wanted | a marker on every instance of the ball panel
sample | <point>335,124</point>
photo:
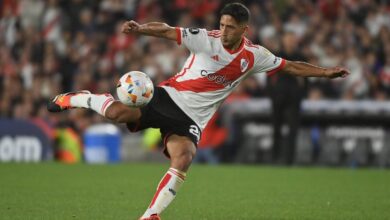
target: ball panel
<point>135,89</point>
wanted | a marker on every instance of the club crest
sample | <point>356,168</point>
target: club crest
<point>244,65</point>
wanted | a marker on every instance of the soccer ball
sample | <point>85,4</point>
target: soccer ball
<point>135,89</point>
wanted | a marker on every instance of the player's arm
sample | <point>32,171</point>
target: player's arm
<point>156,29</point>
<point>298,68</point>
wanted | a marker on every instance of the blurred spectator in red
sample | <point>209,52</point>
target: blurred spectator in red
<point>213,136</point>
<point>330,8</point>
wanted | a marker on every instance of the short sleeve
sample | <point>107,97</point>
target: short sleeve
<point>192,38</point>
<point>268,62</point>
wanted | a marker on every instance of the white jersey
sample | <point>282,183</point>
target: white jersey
<point>212,72</point>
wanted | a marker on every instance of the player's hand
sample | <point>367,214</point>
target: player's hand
<point>130,27</point>
<point>337,72</point>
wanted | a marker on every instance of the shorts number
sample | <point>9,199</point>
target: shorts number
<point>195,131</point>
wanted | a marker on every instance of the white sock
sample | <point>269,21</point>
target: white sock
<point>97,102</point>
<point>166,191</point>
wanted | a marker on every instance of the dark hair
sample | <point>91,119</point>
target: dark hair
<point>238,11</point>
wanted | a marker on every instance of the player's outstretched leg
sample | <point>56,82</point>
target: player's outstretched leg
<point>104,104</point>
<point>181,151</point>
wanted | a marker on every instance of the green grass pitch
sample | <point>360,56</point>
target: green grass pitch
<point>54,191</point>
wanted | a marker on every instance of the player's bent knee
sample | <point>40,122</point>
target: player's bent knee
<point>183,161</point>
<point>184,158</point>
<point>182,151</point>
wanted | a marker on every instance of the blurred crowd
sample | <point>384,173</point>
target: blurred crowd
<point>49,47</point>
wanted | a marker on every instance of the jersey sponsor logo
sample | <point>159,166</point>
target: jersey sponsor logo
<point>217,78</point>
<point>244,64</point>
<point>195,131</point>
<point>194,30</point>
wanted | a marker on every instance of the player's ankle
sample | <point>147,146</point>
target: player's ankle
<point>80,101</point>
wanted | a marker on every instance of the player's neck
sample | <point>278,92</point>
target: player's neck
<point>234,47</point>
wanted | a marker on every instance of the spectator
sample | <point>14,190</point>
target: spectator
<point>286,94</point>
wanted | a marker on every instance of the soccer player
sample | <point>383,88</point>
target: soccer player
<point>182,105</point>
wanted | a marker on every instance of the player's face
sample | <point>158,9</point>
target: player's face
<point>231,31</point>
